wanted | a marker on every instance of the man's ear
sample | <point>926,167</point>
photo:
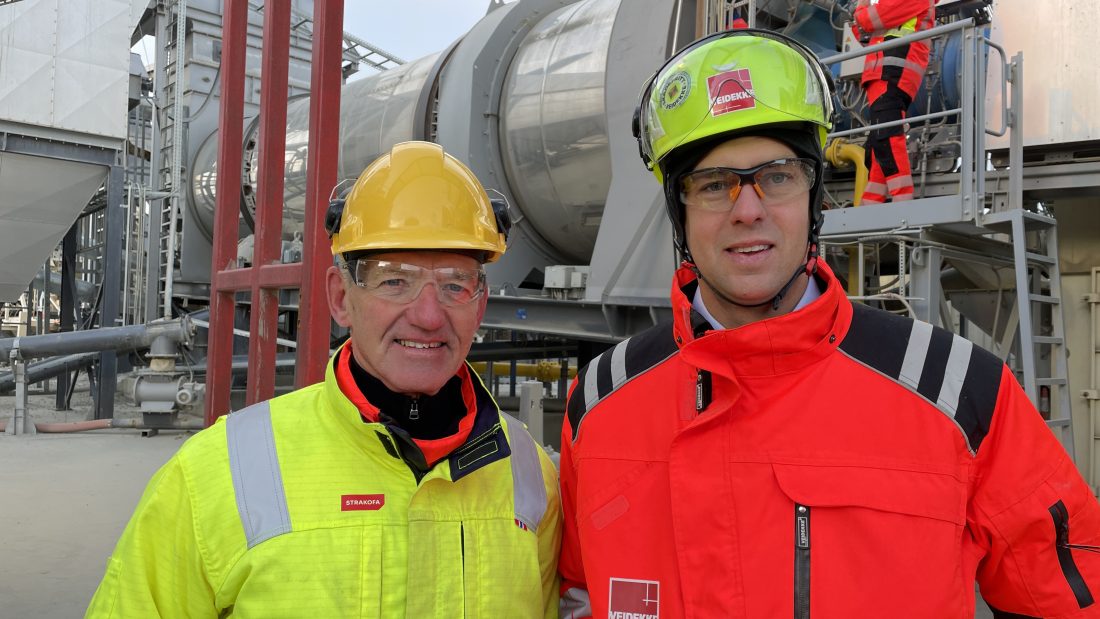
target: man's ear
<point>339,305</point>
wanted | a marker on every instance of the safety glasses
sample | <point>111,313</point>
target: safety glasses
<point>401,283</point>
<point>717,189</point>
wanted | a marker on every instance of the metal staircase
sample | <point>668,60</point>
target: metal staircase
<point>981,231</point>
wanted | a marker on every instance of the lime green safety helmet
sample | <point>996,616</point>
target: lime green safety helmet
<point>727,83</point>
<point>732,83</point>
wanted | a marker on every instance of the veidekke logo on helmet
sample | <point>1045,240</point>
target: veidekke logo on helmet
<point>730,91</point>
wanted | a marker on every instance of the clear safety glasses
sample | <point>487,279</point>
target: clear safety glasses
<point>401,283</point>
<point>717,189</point>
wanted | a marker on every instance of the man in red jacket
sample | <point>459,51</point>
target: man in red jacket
<point>891,80</point>
<point>777,451</point>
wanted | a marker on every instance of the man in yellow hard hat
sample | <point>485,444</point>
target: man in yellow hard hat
<point>395,488</point>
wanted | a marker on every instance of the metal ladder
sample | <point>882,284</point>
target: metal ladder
<point>166,222</point>
<point>719,13</point>
<point>1042,357</point>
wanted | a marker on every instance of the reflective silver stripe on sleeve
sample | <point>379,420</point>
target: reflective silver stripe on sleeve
<point>618,364</point>
<point>591,391</point>
<point>876,21</point>
<point>257,480</point>
<point>574,603</point>
<point>915,354</point>
<point>528,486</point>
<point>958,360</point>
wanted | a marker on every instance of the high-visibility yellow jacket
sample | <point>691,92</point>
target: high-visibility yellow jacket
<point>297,507</point>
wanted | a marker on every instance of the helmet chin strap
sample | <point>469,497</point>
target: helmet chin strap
<point>808,268</point>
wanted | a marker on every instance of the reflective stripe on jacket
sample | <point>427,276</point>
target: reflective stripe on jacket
<point>836,461</point>
<point>298,508</point>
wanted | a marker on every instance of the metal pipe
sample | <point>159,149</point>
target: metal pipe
<point>48,369</point>
<point>543,370</point>
<point>107,338</point>
<point>240,364</point>
<point>85,290</point>
<point>126,275</point>
<point>104,424</point>
<point>840,151</point>
<point>241,332</point>
<point>549,405</point>
<point>900,41</point>
<point>896,123</point>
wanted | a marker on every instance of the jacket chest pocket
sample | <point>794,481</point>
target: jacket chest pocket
<point>868,539</point>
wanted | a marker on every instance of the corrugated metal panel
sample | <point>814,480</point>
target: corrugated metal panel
<point>66,64</point>
<point>1061,83</point>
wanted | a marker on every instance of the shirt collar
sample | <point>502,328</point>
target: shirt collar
<point>813,291</point>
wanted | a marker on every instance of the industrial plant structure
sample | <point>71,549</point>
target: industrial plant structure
<point>109,188</point>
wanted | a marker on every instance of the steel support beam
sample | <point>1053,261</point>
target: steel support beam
<point>274,275</point>
<point>228,191</point>
<point>21,417</point>
<point>109,310</point>
<point>68,307</point>
<point>27,145</point>
<point>911,214</point>
<point>264,313</point>
<point>580,320</point>
<point>926,269</point>
<point>322,160</point>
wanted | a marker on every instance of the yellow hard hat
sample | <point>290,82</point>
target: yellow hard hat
<point>417,197</point>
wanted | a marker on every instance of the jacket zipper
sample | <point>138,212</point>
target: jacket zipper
<point>1060,515</point>
<point>702,390</point>
<point>462,551</point>
<point>801,562</point>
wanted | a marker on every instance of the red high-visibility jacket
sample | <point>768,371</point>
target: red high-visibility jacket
<point>846,462</point>
<point>896,18</point>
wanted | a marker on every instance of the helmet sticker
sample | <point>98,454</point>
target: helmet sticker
<point>731,91</point>
<point>675,90</point>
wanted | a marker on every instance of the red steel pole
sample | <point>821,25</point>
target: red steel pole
<point>228,192</point>
<point>322,163</point>
<point>269,201</point>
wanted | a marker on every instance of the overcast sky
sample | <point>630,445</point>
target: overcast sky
<point>411,29</point>
<point>408,29</point>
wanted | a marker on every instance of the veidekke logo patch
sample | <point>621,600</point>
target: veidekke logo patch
<point>634,599</point>
<point>730,91</point>
<point>361,502</point>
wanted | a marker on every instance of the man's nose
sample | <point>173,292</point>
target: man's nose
<point>426,311</point>
<point>748,203</point>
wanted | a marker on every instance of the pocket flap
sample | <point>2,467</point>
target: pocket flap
<point>931,495</point>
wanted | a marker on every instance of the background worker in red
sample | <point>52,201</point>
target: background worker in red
<point>778,451</point>
<point>395,488</point>
<point>891,79</point>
